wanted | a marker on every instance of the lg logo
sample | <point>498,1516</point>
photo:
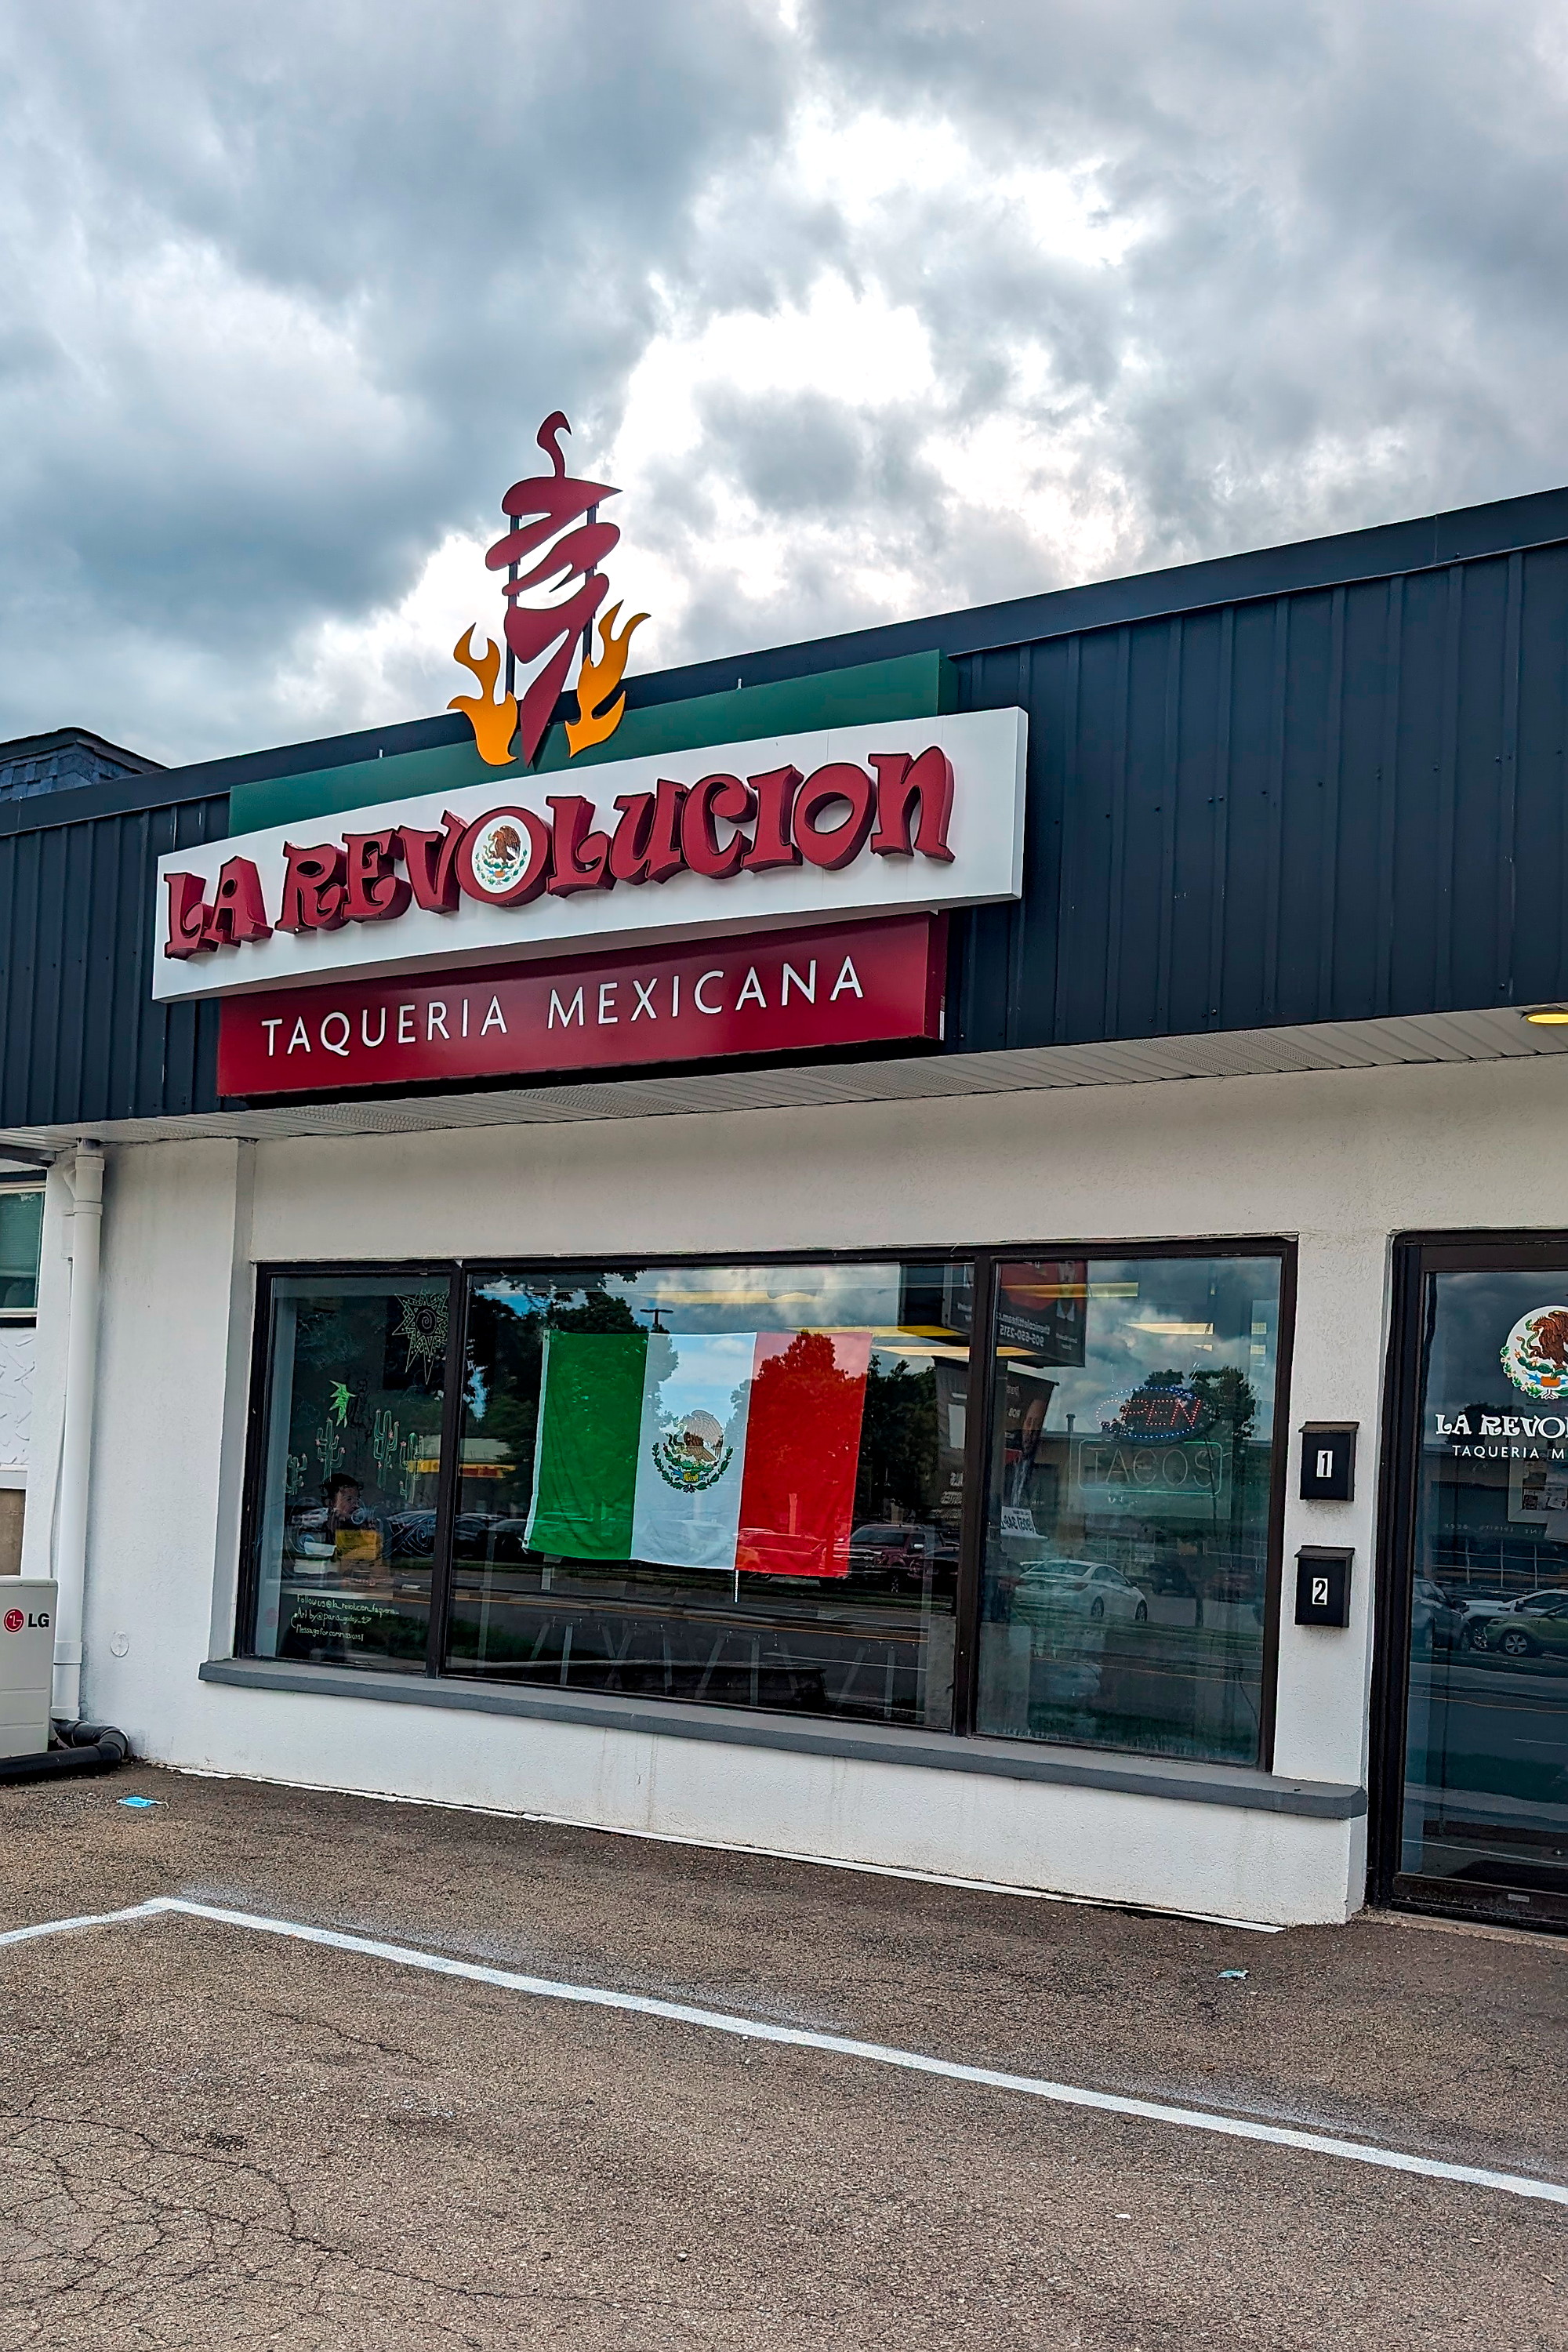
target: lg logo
<point>14,1619</point>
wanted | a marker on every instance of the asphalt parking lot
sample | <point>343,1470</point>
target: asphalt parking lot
<point>212,2137</point>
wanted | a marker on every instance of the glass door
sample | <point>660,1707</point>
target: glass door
<point>1481,1624</point>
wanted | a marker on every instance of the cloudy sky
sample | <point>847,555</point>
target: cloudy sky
<point>872,309</point>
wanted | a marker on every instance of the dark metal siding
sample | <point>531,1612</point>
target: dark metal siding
<point>1304,800</point>
<point>1331,805</point>
<point>82,1038</point>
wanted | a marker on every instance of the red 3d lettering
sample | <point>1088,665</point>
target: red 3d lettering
<point>187,917</point>
<point>375,892</point>
<point>581,860</point>
<point>832,846</point>
<point>770,844</point>
<point>237,912</point>
<point>717,800</point>
<point>902,781</point>
<point>431,859</point>
<point>315,888</point>
<point>717,828</point>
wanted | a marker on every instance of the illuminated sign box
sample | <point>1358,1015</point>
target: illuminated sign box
<point>800,991</point>
<point>903,817</point>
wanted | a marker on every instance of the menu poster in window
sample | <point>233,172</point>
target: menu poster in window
<point>951,1381</point>
<point>1042,1311</point>
<point>1030,1473</point>
<point>937,1301</point>
<point>1537,1491</point>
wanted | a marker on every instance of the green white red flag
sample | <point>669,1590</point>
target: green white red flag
<point>727,1450</point>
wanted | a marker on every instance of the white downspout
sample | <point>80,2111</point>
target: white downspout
<point>75,1443</point>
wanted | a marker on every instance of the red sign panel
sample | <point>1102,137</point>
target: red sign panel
<point>786,992</point>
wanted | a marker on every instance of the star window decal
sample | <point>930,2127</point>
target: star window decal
<point>423,1330</point>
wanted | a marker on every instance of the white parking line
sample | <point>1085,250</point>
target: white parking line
<point>751,2028</point>
<point>87,1919</point>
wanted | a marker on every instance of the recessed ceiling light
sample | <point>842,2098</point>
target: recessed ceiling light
<point>1548,1016</point>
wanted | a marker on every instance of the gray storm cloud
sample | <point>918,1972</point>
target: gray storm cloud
<point>287,291</point>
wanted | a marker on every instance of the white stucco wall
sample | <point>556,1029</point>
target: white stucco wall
<point>17,1349</point>
<point>1340,1160</point>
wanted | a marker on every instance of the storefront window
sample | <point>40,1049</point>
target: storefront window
<point>1126,1561</point>
<point>21,1228</point>
<point>346,1528</point>
<point>1486,1765</point>
<point>744,1485</point>
<point>731,1485</point>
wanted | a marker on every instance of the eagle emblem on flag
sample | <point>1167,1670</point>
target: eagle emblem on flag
<point>693,1455</point>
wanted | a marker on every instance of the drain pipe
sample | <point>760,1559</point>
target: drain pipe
<point>84,1748</point>
<point>76,1445</point>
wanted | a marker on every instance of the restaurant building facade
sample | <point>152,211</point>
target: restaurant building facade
<point>939,1254</point>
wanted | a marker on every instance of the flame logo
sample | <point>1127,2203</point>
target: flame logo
<point>553,550</point>
<point>493,719</point>
<point>597,681</point>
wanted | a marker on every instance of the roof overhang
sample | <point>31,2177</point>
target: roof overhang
<point>1412,1040</point>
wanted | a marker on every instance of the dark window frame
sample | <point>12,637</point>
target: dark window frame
<point>985,1258</point>
<point>1414,1256</point>
<point>258,1405</point>
<point>24,1319</point>
<point>978,1463</point>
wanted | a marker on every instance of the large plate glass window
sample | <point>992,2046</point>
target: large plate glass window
<point>345,1532</point>
<point>742,1486</point>
<point>1132,1472</point>
<point>1486,1750</point>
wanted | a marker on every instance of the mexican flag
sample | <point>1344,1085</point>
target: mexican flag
<point>727,1449</point>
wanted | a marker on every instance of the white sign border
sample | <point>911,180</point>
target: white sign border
<point>987,749</point>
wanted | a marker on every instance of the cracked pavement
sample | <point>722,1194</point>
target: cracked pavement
<point>214,2138</point>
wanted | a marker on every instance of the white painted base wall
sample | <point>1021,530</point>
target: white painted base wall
<point>1144,1850</point>
<point>1339,1161</point>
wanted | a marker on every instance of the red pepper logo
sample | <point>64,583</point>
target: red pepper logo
<point>553,552</point>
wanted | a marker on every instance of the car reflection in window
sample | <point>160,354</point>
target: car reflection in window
<point>1435,1622</point>
<point>1480,1614</point>
<point>898,1559</point>
<point>1048,1588</point>
<point>1536,1632</point>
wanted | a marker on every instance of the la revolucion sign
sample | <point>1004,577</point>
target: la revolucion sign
<point>904,816</point>
<point>847,984</point>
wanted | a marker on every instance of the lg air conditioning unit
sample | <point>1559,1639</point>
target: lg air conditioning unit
<point>27,1663</point>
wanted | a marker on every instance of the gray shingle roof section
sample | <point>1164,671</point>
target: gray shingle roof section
<point>65,761</point>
